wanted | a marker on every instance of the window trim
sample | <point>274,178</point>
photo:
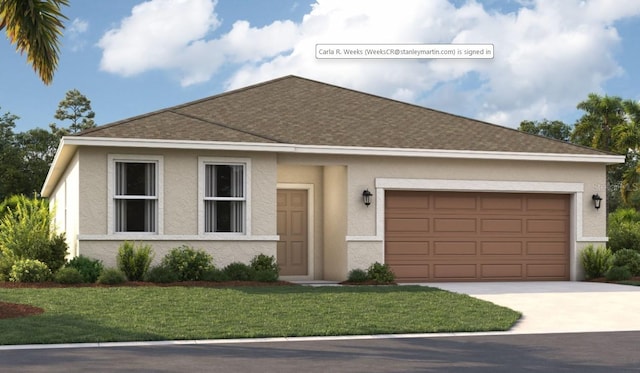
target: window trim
<point>202,163</point>
<point>111,183</point>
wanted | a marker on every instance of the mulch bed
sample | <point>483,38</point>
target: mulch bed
<point>13,310</point>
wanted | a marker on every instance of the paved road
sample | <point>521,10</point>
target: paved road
<point>585,352</point>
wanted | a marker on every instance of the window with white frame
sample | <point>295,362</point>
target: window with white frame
<point>224,197</point>
<point>135,196</point>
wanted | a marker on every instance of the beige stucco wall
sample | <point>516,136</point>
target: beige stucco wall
<point>335,222</point>
<point>364,233</point>
<point>222,252</point>
<point>180,199</point>
<point>66,205</point>
<point>180,206</point>
<point>347,235</point>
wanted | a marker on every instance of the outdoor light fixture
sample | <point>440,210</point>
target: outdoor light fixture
<point>366,197</point>
<point>596,200</point>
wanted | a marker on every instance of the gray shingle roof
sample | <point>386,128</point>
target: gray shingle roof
<point>294,110</point>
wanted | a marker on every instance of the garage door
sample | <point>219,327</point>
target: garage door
<point>451,236</point>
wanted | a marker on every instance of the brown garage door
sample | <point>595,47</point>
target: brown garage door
<point>451,236</point>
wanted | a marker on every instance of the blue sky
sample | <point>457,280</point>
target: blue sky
<point>130,57</point>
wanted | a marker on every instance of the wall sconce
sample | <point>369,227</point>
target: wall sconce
<point>366,197</point>
<point>596,200</point>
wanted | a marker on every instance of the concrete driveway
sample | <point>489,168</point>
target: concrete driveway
<point>560,307</point>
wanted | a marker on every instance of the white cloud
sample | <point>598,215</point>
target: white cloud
<point>548,53</point>
<point>78,26</point>
<point>155,35</point>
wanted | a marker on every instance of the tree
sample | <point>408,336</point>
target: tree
<point>37,147</point>
<point>553,129</point>
<point>35,26</point>
<point>75,107</point>
<point>595,128</point>
<point>13,180</point>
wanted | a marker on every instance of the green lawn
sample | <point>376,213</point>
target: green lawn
<point>172,313</point>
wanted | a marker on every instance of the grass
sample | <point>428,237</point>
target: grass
<point>174,313</point>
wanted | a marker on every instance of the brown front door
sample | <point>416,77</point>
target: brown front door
<point>293,232</point>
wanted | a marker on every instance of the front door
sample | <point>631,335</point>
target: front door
<point>293,231</point>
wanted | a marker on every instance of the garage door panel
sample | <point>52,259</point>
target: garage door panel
<point>454,202</point>
<point>407,225</point>
<point>502,271</point>
<point>547,248</point>
<point>549,271</point>
<point>477,236</point>
<point>559,204</point>
<point>489,204</point>
<point>501,225</point>
<point>546,226</point>
<point>412,272</point>
<point>402,200</point>
<point>454,271</point>
<point>408,248</point>
<point>455,225</point>
<point>454,248</point>
<point>501,248</point>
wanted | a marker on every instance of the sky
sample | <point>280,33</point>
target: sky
<point>131,57</point>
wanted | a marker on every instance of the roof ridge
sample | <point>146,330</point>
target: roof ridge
<point>225,126</point>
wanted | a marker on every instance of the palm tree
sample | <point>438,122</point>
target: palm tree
<point>34,27</point>
<point>594,128</point>
<point>627,137</point>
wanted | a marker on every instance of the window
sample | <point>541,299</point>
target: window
<point>136,196</point>
<point>224,198</point>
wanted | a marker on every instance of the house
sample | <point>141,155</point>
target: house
<point>284,168</point>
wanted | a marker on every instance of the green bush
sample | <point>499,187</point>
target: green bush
<point>618,274</point>
<point>29,270</point>
<point>381,273</point>
<point>6,262</point>
<point>25,230</point>
<point>624,230</point>
<point>90,269</point>
<point>596,261</point>
<point>237,271</point>
<point>265,268</point>
<point>112,276</point>
<point>357,275</point>
<point>68,275</point>
<point>188,263</point>
<point>134,261</point>
<point>627,258</point>
<point>215,275</point>
<point>161,274</point>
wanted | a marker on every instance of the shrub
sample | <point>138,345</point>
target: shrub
<point>6,262</point>
<point>112,276</point>
<point>68,275</point>
<point>161,274</point>
<point>627,258</point>
<point>237,271</point>
<point>357,275</point>
<point>215,275</point>
<point>381,273</point>
<point>265,268</point>
<point>624,230</point>
<point>29,270</point>
<point>25,230</point>
<point>596,262</point>
<point>188,263</point>
<point>618,274</point>
<point>90,269</point>
<point>134,261</point>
